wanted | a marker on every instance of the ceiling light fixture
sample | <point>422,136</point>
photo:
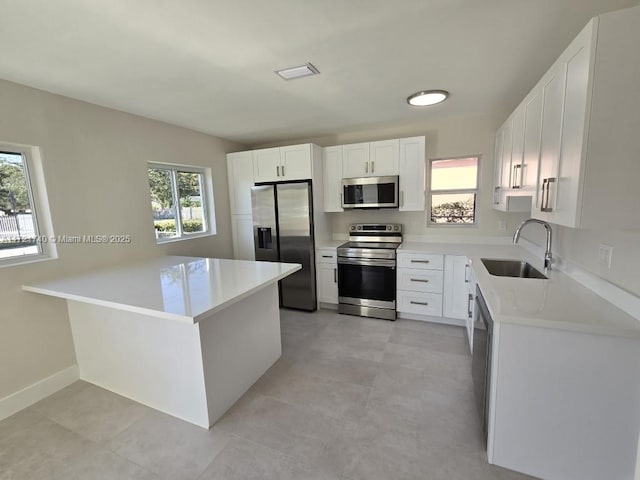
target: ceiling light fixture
<point>297,72</point>
<point>428,97</point>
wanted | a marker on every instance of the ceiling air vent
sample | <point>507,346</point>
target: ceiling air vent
<point>297,72</point>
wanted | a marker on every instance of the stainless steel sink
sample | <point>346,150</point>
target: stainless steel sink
<point>511,268</point>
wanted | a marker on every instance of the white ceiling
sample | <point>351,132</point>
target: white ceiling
<point>208,64</point>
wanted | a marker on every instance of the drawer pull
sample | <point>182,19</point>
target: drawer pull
<point>327,256</point>
<point>419,261</point>
<point>419,303</point>
<point>419,280</point>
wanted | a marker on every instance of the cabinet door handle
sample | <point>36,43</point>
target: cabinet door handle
<point>419,303</point>
<point>421,280</point>
<point>549,181</point>
<point>373,167</point>
<point>366,167</point>
<point>277,171</point>
<point>419,261</point>
<point>544,186</point>
<point>470,299</point>
<point>283,170</point>
<point>466,268</point>
<point>327,256</point>
<point>496,198</point>
<point>335,275</point>
<point>517,182</point>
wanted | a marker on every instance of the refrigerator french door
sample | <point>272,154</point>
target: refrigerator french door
<point>283,232</point>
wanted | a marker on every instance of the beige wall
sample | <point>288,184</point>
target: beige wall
<point>452,137</point>
<point>94,161</point>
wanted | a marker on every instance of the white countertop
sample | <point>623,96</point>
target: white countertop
<point>330,244</point>
<point>186,289</point>
<point>559,302</point>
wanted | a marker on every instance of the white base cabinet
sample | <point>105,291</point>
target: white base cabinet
<point>419,283</point>
<point>456,277</point>
<point>435,288</point>
<point>564,404</point>
<point>327,272</point>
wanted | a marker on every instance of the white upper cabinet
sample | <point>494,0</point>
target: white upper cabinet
<point>553,85</point>
<point>412,174</point>
<point>498,199</point>
<point>531,141</point>
<point>295,162</point>
<point>384,158</point>
<point>579,129</point>
<point>355,160</point>
<point>506,198</point>
<point>517,148</point>
<point>240,176</point>
<point>332,175</point>
<point>266,164</point>
<point>281,164</point>
<point>374,159</point>
<point>507,150</point>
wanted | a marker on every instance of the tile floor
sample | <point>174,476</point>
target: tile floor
<point>351,398</point>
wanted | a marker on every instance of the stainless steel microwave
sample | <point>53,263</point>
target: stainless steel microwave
<point>370,192</point>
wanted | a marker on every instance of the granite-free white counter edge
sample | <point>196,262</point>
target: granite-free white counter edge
<point>559,302</point>
<point>186,289</point>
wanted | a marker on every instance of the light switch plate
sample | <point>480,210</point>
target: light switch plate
<point>605,252</point>
<point>502,225</point>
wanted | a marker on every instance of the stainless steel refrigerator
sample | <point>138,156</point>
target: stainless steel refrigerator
<point>283,232</point>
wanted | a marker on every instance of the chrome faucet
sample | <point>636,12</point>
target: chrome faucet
<point>548,260</point>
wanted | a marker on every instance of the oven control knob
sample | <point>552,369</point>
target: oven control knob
<point>395,228</point>
<point>359,227</point>
<point>388,227</point>
<point>353,227</point>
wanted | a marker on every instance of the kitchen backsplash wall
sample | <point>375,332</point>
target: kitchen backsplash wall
<point>580,247</point>
<point>453,137</point>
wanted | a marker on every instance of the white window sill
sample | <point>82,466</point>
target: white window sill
<point>161,241</point>
<point>25,259</point>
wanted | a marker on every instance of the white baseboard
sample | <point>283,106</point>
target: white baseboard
<point>34,393</point>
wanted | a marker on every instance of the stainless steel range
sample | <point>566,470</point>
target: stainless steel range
<point>367,270</point>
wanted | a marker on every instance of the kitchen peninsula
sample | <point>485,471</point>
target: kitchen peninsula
<point>184,335</point>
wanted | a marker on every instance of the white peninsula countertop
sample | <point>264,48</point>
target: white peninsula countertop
<point>187,289</point>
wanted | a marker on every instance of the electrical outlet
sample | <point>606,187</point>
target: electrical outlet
<point>605,252</point>
<point>502,225</point>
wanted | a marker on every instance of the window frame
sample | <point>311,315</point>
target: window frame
<point>38,201</point>
<point>475,191</point>
<point>206,193</point>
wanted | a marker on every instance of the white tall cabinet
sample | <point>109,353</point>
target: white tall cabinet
<point>240,176</point>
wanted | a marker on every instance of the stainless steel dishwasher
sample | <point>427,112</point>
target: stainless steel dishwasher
<point>481,364</point>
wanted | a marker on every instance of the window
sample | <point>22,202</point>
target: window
<point>453,191</point>
<point>25,227</point>
<point>180,200</point>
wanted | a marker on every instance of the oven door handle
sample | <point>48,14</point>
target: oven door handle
<point>367,262</point>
